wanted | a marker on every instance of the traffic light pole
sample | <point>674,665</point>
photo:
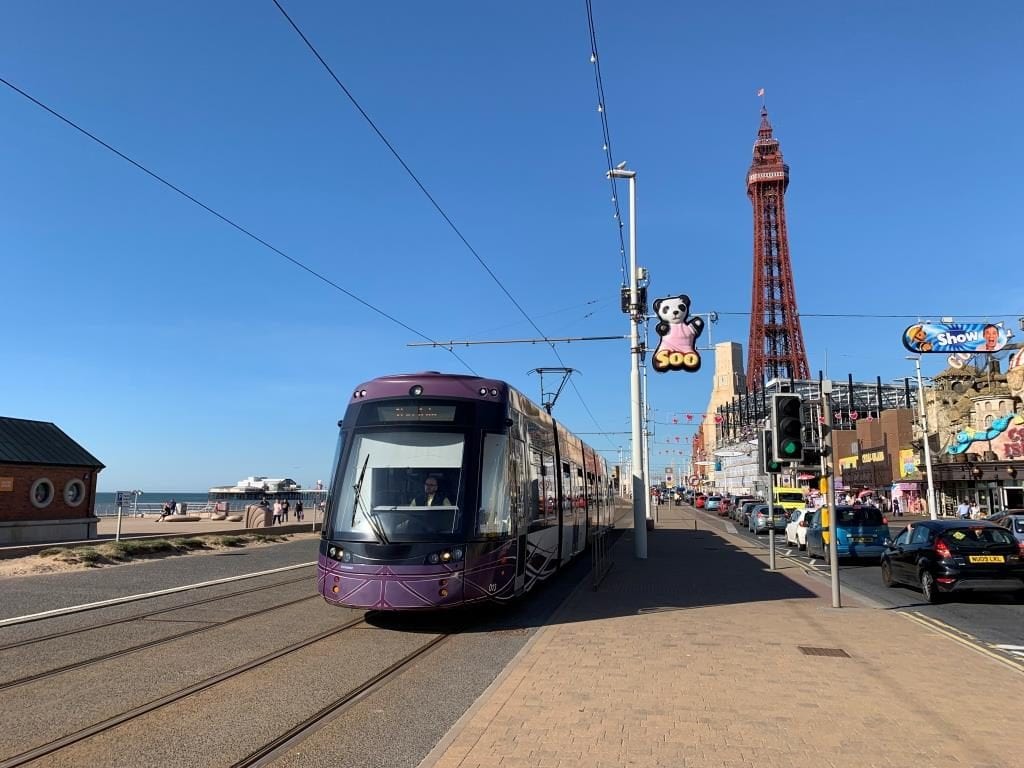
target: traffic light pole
<point>771,521</point>
<point>833,546</point>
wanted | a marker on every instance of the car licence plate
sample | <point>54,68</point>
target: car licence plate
<point>986,559</point>
<point>863,539</point>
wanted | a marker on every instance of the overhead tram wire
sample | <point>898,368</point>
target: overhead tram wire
<point>433,202</point>
<point>602,110</point>
<point>872,316</point>
<point>228,221</point>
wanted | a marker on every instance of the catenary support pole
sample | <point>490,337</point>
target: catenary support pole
<point>639,483</point>
<point>933,511</point>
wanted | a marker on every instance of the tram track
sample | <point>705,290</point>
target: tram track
<point>138,617</point>
<point>274,747</point>
<point>150,644</point>
<point>301,731</point>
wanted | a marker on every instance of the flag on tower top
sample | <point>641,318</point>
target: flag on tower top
<point>760,91</point>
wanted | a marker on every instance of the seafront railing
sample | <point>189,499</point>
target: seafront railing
<point>157,507</point>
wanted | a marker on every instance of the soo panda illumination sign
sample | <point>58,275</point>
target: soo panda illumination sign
<point>678,332</point>
<point>946,338</point>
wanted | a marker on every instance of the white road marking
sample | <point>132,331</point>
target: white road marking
<point>1017,648</point>
<point>132,598</point>
<point>731,528</point>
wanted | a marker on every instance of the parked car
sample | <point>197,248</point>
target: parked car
<point>950,556</point>
<point>1015,525</point>
<point>997,517</point>
<point>759,523</point>
<point>861,531</point>
<point>746,509</point>
<point>736,511</point>
<point>796,528</point>
<point>712,503</point>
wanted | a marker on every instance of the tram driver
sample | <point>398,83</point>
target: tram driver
<point>431,496</point>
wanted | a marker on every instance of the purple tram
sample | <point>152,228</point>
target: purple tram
<point>449,490</point>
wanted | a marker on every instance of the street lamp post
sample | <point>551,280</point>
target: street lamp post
<point>923,412</point>
<point>636,312</point>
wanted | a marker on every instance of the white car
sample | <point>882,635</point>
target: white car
<point>796,528</point>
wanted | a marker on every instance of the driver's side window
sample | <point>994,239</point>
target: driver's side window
<point>902,538</point>
<point>920,536</point>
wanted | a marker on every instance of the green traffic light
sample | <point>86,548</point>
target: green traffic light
<point>789,447</point>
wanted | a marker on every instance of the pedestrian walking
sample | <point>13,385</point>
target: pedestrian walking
<point>166,512</point>
<point>277,513</point>
<point>298,510</point>
<point>284,510</point>
<point>964,510</point>
<point>896,512</point>
<point>975,511</point>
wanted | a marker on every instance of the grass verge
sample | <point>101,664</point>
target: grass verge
<point>129,550</point>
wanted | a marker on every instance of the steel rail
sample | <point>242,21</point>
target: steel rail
<point>112,722</point>
<point>300,732</point>
<point>193,604</point>
<point>142,646</point>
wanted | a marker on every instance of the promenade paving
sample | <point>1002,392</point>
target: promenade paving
<point>692,658</point>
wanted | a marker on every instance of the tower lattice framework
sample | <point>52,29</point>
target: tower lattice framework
<point>776,345</point>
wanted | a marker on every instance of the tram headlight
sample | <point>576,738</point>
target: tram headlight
<point>416,390</point>
<point>483,391</point>
<point>494,393</point>
<point>457,553</point>
<point>446,556</point>
<point>333,551</point>
<point>346,557</point>
<point>434,558</point>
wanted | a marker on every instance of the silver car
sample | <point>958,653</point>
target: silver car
<point>759,519</point>
<point>1015,525</point>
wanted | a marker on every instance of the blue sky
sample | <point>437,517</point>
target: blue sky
<point>184,355</point>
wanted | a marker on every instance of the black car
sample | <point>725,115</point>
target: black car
<point>944,556</point>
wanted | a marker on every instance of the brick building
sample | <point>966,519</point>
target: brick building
<point>47,484</point>
<point>876,459</point>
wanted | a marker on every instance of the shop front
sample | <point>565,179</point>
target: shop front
<point>993,485</point>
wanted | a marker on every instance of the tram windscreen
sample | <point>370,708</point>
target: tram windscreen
<point>400,486</point>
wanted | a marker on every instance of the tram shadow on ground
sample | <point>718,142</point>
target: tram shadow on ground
<point>684,570</point>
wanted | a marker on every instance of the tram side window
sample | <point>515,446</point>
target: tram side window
<point>537,498</point>
<point>566,485</point>
<point>550,489</point>
<point>517,483</point>
<point>495,517</point>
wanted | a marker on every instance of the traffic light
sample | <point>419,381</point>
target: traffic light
<point>768,465</point>
<point>787,428</point>
<point>812,457</point>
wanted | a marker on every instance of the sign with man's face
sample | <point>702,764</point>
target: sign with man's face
<point>948,338</point>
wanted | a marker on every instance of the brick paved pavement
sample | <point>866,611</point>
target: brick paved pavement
<point>691,658</point>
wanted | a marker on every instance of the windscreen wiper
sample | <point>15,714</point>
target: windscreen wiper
<point>371,518</point>
<point>358,488</point>
<point>377,525</point>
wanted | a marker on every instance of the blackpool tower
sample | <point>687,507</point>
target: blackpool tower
<point>776,346</point>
